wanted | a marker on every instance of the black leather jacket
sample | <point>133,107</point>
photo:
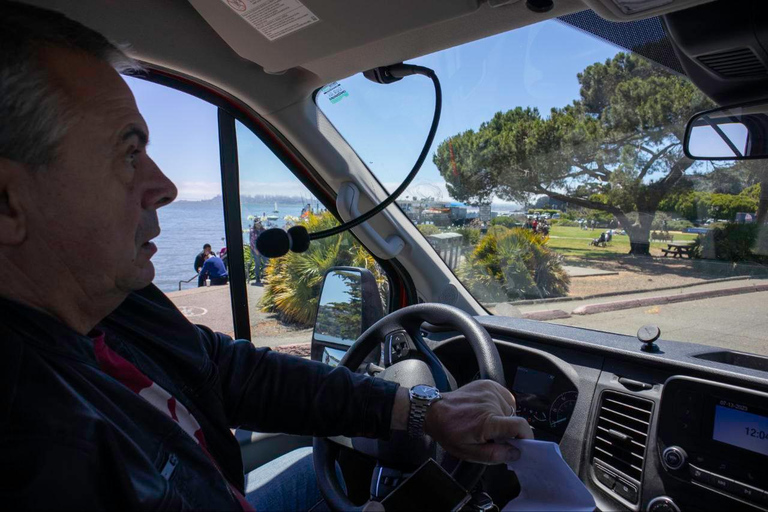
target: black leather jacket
<point>71,437</point>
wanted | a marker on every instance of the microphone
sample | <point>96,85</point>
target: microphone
<point>275,242</point>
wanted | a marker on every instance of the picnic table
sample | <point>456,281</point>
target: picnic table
<point>678,249</point>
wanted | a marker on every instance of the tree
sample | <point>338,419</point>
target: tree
<point>616,149</point>
<point>757,176</point>
<point>294,280</point>
<point>703,205</point>
<point>343,319</point>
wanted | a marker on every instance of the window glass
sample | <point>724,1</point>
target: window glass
<point>283,292</point>
<point>185,145</point>
<point>557,187</point>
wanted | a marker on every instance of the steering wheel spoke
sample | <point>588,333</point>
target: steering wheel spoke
<point>398,346</point>
<point>385,480</point>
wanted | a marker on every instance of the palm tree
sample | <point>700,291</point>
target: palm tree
<point>293,281</point>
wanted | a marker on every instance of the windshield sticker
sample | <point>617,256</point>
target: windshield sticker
<point>274,18</point>
<point>334,92</point>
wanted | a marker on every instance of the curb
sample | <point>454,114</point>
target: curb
<point>530,302</point>
<point>195,291</point>
<point>591,309</point>
<point>549,314</point>
<point>295,349</point>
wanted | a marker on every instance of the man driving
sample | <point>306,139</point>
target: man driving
<point>110,397</point>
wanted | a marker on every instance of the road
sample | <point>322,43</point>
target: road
<point>738,322</point>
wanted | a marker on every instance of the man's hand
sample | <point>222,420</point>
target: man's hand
<point>473,422</point>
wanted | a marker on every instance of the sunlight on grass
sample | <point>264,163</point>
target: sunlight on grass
<point>573,242</point>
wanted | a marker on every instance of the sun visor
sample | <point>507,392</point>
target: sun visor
<point>282,34</point>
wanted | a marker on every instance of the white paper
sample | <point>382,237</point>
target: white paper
<point>274,18</point>
<point>547,482</point>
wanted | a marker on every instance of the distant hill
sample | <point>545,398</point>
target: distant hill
<point>259,199</point>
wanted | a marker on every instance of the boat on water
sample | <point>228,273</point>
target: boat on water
<point>274,215</point>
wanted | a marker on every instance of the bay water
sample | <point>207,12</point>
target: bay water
<point>188,225</point>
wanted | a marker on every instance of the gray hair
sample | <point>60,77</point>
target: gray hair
<point>33,114</point>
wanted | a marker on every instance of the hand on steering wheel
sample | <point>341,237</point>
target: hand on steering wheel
<point>473,422</point>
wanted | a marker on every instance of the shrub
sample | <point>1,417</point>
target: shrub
<point>428,229</point>
<point>471,236</point>
<point>567,223</point>
<point>249,270</point>
<point>672,224</point>
<point>731,242</point>
<point>293,281</point>
<point>511,264</point>
<point>679,225</point>
<point>507,222</point>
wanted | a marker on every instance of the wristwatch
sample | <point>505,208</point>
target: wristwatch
<point>422,396</point>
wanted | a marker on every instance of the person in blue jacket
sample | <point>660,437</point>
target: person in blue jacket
<point>215,270</point>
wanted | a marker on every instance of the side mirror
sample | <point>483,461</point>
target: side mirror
<point>739,132</point>
<point>349,304</point>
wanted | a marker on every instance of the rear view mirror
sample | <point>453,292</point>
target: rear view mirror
<point>738,132</point>
<point>349,304</point>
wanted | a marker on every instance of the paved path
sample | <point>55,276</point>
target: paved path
<point>738,322</point>
<point>587,271</point>
<point>212,307</point>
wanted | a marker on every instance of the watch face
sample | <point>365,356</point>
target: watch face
<point>424,392</point>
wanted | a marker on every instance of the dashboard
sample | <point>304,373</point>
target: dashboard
<point>543,399</point>
<point>715,437</point>
<point>685,428</point>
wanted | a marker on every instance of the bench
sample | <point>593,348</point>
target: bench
<point>662,237</point>
<point>678,250</point>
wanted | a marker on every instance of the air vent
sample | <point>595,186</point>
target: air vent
<point>622,434</point>
<point>741,63</point>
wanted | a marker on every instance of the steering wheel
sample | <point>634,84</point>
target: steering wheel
<point>409,362</point>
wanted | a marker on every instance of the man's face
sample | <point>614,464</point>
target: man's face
<point>96,206</point>
<point>207,251</point>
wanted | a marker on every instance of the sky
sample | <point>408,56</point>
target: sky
<point>534,66</point>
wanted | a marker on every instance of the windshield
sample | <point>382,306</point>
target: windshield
<point>557,188</point>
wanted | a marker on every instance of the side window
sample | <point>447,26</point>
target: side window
<point>185,145</point>
<point>283,293</point>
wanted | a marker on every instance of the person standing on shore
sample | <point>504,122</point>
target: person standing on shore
<point>199,261</point>
<point>259,261</point>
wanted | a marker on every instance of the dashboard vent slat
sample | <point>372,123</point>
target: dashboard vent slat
<point>741,63</point>
<point>627,415</point>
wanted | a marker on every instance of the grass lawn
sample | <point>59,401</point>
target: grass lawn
<point>573,243</point>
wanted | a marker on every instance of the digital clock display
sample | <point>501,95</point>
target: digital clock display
<point>735,425</point>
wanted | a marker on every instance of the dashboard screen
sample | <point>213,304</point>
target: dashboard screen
<point>532,382</point>
<point>736,426</point>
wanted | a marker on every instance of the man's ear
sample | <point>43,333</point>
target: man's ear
<point>13,219</point>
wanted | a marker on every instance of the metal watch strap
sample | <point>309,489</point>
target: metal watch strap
<point>416,417</point>
<point>421,397</point>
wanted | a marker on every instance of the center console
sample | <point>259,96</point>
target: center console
<point>713,444</point>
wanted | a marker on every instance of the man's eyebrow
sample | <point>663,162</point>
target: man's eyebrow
<point>135,131</point>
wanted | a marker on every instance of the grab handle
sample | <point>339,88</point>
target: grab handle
<point>347,202</point>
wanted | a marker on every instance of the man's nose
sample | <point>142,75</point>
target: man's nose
<point>159,191</point>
